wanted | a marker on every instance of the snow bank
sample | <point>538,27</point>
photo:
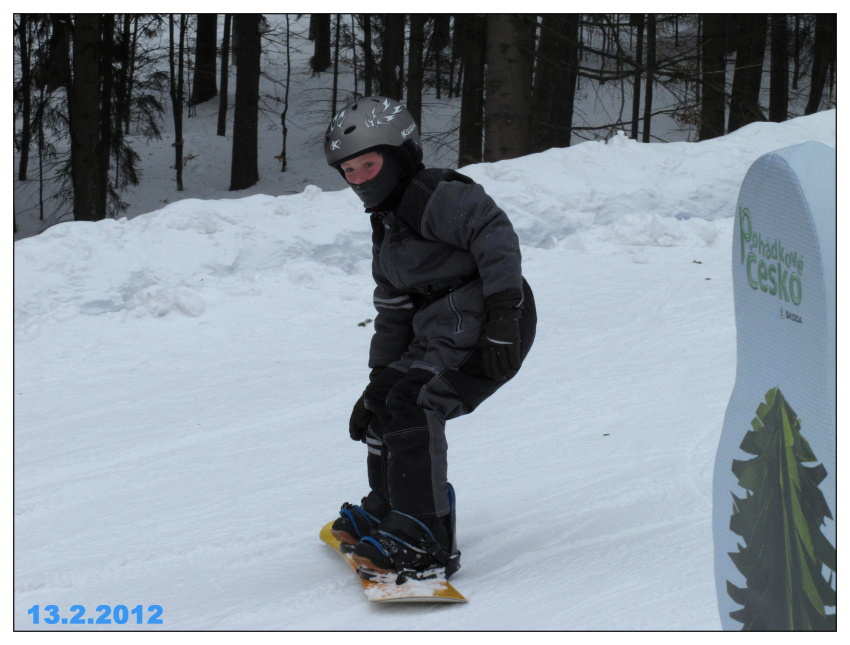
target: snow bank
<point>646,194</point>
<point>164,262</point>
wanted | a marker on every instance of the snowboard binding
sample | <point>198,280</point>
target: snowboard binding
<point>403,575</point>
<point>405,547</point>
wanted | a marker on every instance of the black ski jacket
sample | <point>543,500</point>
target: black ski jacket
<point>435,257</point>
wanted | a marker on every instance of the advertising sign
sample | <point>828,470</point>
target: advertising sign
<point>774,478</point>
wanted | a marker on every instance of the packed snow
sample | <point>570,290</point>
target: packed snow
<point>184,378</point>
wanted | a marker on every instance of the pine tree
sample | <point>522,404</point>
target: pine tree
<point>780,520</point>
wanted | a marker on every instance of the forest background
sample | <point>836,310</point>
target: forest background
<point>108,107</point>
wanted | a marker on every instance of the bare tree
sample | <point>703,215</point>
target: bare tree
<point>87,170</point>
<point>368,55</point>
<point>824,58</point>
<point>650,75</point>
<point>285,99</point>
<point>353,52</point>
<point>176,87</point>
<point>131,75</point>
<point>438,42</point>
<point>555,81</point>
<point>713,84</point>
<point>203,82</point>
<point>335,83</point>
<point>122,80</point>
<point>25,90</point>
<point>472,34</point>
<point>750,41</point>
<point>225,76</point>
<point>778,67</point>
<point>243,167</point>
<point>508,87</point>
<point>414,70</point>
<point>320,25</point>
<point>392,56</point>
<point>638,22</point>
<point>107,27</point>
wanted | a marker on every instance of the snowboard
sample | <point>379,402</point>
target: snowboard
<point>385,589</point>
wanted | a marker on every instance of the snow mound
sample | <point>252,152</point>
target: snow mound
<point>179,259</point>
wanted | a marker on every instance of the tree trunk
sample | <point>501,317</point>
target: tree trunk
<point>58,66</point>
<point>564,117</point>
<point>796,81</point>
<point>778,67</point>
<point>26,95</point>
<point>508,92</point>
<point>637,21</point>
<point>39,117</point>
<point>392,58</point>
<point>203,82</point>
<point>243,168</point>
<point>321,59</point>
<point>105,73</point>
<point>336,67</point>
<point>751,37</point>
<point>554,84</point>
<point>472,37</point>
<point>414,72</point>
<point>225,77</point>
<point>176,85</point>
<point>650,76</point>
<point>122,80</point>
<point>824,56</point>
<point>439,41</point>
<point>286,99</point>
<point>458,49</point>
<point>131,76</point>
<point>84,103</point>
<point>368,55</point>
<point>712,112</point>
<point>353,51</point>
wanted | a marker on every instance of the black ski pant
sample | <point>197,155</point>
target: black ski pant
<point>406,440</point>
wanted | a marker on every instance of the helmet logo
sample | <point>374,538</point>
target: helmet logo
<point>335,144</point>
<point>387,114</point>
<point>337,120</point>
<point>408,130</point>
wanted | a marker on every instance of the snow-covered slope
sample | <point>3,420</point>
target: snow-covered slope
<point>183,381</point>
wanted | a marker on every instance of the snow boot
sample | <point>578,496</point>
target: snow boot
<point>410,547</point>
<point>355,522</point>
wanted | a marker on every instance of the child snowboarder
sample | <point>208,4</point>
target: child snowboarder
<point>455,320</point>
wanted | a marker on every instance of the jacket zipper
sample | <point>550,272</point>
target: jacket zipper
<point>458,314</point>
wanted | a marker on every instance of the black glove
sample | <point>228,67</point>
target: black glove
<point>360,416</point>
<point>359,422</point>
<point>501,346</point>
<point>381,380</point>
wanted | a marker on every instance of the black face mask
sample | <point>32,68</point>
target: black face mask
<point>373,192</point>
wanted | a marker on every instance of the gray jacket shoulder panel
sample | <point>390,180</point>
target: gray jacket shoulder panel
<point>465,216</point>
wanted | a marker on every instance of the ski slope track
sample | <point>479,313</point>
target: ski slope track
<point>183,382</point>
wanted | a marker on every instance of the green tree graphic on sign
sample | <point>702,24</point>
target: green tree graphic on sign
<point>786,553</point>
